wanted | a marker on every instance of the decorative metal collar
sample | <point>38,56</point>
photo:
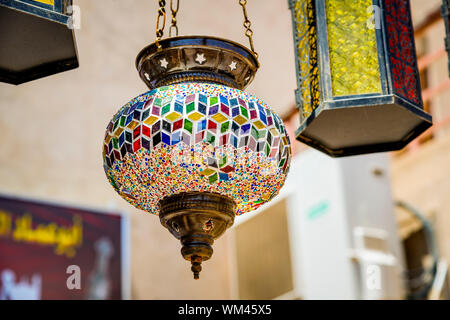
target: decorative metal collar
<point>199,59</point>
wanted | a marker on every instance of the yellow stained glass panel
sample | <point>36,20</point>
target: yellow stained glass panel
<point>353,48</point>
<point>308,71</point>
<point>49,2</point>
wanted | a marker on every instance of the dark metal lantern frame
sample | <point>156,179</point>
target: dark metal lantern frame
<point>363,123</point>
<point>36,40</point>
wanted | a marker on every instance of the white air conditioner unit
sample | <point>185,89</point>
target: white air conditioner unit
<point>330,234</point>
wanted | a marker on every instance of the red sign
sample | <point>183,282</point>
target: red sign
<point>49,251</point>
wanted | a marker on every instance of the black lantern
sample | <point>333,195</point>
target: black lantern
<point>36,39</point>
<point>445,10</point>
<point>358,82</point>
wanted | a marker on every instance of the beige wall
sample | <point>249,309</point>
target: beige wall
<point>52,129</point>
<point>422,179</point>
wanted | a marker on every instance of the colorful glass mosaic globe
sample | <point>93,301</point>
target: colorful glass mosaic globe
<point>196,137</point>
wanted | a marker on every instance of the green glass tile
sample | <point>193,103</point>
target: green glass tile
<point>115,143</point>
<point>213,178</point>
<point>210,138</point>
<point>267,149</point>
<point>116,124</point>
<point>244,112</point>
<point>190,107</point>
<point>282,162</point>
<point>213,101</point>
<point>255,133</point>
<point>188,125</point>
<point>223,161</point>
<point>262,133</point>
<point>113,183</point>
<point>224,127</point>
<point>277,125</point>
<point>157,102</point>
<point>122,121</point>
<point>165,109</point>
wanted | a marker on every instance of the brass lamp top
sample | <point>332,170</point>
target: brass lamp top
<point>199,59</point>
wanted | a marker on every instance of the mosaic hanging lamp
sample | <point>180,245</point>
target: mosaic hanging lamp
<point>196,149</point>
<point>445,11</point>
<point>358,82</point>
<point>36,39</point>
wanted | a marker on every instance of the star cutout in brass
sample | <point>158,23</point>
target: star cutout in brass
<point>200,58</point>
<point>164,63</point>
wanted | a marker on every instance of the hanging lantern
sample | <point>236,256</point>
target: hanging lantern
<point>445,10</point>
<point>358,82</point>
<point>196,150</point>
<point>36,39</point>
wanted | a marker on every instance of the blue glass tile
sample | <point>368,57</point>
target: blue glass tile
<point>261,109</point>
<point>145,114</point>
<point>223,176</point>
<point>166,138</point>
<point>121,139</point>
<point>201,125</point>
<point>235,128</point>
<point>245,128</point>
<point>233,140</point>
<point>263,118</point>
<point>176,137</point>
<point>202,108</point>
<point>224,100</point>
<point>132,108</point>
<point>178,107</point>
<point>202,98</point>
<point>129,119</point>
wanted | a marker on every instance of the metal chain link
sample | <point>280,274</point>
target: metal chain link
<point>159,27</point>
<point>247,24</point>
<point>174,26</point>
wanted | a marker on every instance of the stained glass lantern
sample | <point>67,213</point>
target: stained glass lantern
<point>445,10</point>
<point>36,39</point>
<point>196,149</point>
<point>358,82</point>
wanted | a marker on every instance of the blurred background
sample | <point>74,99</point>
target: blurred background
<point>375,227</point>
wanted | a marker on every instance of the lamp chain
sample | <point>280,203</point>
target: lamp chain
<point>159,26</point>
<point>247,25</point>
<point>174,26</point>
